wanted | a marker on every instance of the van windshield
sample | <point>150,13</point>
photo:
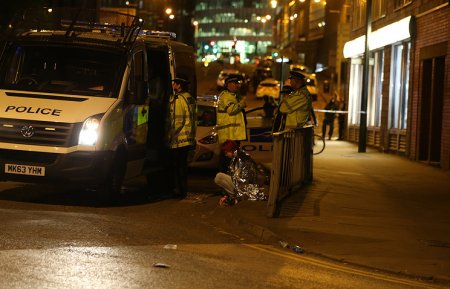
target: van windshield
<point>59,69</point>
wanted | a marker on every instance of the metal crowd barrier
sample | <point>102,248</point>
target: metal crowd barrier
<point>292,165</point>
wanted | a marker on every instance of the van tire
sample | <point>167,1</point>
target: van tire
<point>110,190</point>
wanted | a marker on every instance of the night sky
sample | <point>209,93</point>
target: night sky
<point>9,8</point>
<point>182,26</point>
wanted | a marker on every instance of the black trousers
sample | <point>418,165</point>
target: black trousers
<point>327,122</point>
<point>178,170</point>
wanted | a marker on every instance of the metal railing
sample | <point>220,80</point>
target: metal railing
<point>292,165</point>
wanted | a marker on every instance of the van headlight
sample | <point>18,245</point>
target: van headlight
<point>90,131</point>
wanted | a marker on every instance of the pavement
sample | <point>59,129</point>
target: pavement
<point>371,209</point>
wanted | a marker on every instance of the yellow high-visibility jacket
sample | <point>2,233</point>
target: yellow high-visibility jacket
<point>181,120</point>
<point>230,117</point>
<point>298,107</point>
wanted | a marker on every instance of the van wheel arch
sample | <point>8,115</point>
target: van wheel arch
<point>110,188</point>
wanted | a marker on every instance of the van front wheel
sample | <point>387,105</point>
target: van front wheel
<point>111,188</point>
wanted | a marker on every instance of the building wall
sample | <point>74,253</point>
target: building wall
<point>432,39</point>
<point>243,22</point>
<point>384,129</point>
<point>307,32</point>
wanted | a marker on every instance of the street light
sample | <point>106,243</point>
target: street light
<point>273,3</point>
<point>127,3</point>
<point>170,15</point>
<point>195,23</point>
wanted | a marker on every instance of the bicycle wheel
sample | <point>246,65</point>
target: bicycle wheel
<point>318,144</point>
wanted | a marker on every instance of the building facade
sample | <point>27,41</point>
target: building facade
<point>312,33</point>
<point>233,29</point>
<point>408,96</point>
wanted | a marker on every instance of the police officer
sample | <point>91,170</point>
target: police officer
<point>329,118</point>
<point>298,104</point>
<point>231,118</point>
<point>180,134</point>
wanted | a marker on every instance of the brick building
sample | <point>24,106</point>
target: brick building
<point>408,96</point>
<point>312,33</point>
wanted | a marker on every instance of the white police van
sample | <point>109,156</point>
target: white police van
<point>85,103</point>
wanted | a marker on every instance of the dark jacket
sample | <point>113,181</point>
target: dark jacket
<point>331,105</point>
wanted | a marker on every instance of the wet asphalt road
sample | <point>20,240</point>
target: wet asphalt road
<point>57,238</point>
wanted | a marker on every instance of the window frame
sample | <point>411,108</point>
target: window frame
<point>359,12</point>
<point>399,85</point>
<point>375,94</point>
<point>401,3</point>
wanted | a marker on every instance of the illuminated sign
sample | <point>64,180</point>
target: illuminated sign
<point>386,35</point>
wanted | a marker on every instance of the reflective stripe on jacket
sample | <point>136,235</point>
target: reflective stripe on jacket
<point>298,106</point>
<point>230,118</point>
<point>181,130</point>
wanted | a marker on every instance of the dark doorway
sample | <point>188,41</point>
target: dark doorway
<point>432,95</point>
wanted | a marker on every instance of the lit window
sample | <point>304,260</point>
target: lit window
<point>398,103</point>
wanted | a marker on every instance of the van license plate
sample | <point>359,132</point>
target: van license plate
<point>24,170</point>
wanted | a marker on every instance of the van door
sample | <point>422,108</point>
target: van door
<point>136,114</point>
<point>185,66</point>
<point>160,89</point>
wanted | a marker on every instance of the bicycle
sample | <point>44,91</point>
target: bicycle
<point>318,144</point>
